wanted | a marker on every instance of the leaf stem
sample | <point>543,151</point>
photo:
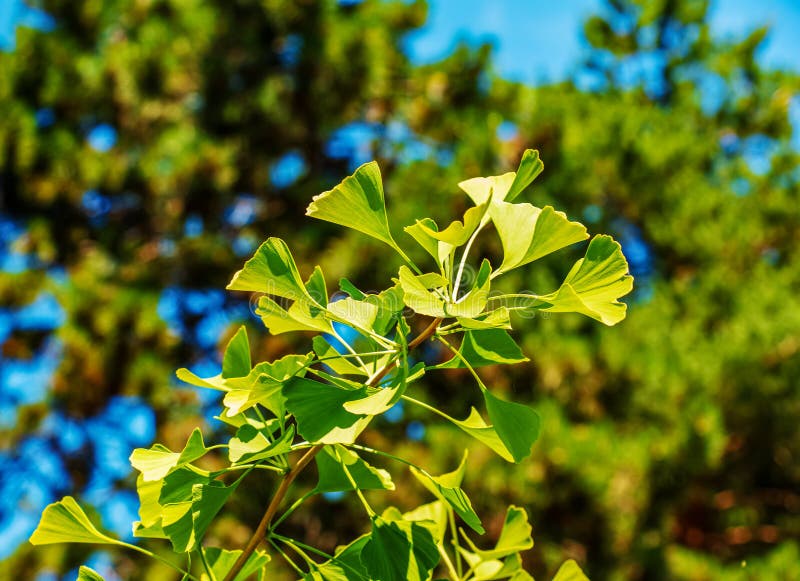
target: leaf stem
<point>283,488</point>
<point>464,259</point>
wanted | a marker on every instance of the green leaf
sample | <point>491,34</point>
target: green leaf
<point>420,231</point>
<point>530,166</point>
<point>433,516</point>
<point>399,550</point>
<point>507,186</point>
<point>529,233</point>
<point>350,289</point>
<point>263,385</point>
<point>158,461</point>
<point>417,296</point>
<point>517,425</point>
<point>358,314</point>
<point>496,319</point>
<point>476,427</point>
<point>273,271</point>
<point>447,487</point>
<point>251,444</point>
<point>344,566</point>
<point>300,316</point>
<point>221,561</point>
<point>87,574</point>
<point>316,287</point>
<point>473,303</point>
<point>236,361</point>
<point>186,522</point>
<point>493,569</point>
<point>356,203</point>
<point>493,188</point>
<point>457,233</point>
<point>318,409</point>
<point>65,522</point>
<point>594,284</point>
<point>515,536</point>
<point>570,571</point>
<point>333,359</point>
<point>482,347</point>
<point>332,477</point>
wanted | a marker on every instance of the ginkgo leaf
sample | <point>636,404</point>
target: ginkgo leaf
<point>331,464</point>
<point>158,461</point>
<point>87,574</point>
<point>457,233</point>
<point>271,270</point>
<point>318,409</point>
<point>251,444</point>
<point>530,166</point>
<point>399,550</point>
<point>570,571</point>
<point>333,359</point>
<point>515,536</point>
<point>594,285</point>
<point>529,233</point>
<point>447,487</point>
<point>236,361</point>
<point>300,316</point>
<point>345,565</point>
<point>482,190</point>
<point>421,232</point>
<point>356,203</point>
<point>221,561</point>
<point>497,319</point>
<point>507,186</point>
<point>416,293</point>
<point>516,425</point>
<point>65,522</point>
<point>263,385</point>
<point>185,523</point>
<point>482,347</point>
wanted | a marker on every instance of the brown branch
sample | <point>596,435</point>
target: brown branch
<point>283,488</point>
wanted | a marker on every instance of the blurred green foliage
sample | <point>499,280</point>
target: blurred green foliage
<point>671,446</point>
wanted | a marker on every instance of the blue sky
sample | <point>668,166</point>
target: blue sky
<point>539,40</point>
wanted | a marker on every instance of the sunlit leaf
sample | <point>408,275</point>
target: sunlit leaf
<point>221,561</point>
<point>595,284</point>
<point>570,571</point>
<point>530,166</point>
<point>156,462</point>
<point>416,293</point>
<point>507,186</point>
<point>447,487</point>
<point>517,425</point>
<point>271,270</point>
<point>482,347</point>
<point>457,233</point>
<point>356,203</point>
<point>263,385</point>
<point>236,361</point>
<point>399,550</point>
<point>87,574</point>
<point>318,409</point>
<point>65,522</point>
<point>344,566</point>
<point>185,523</point>
<point>331,463</point>
<point>333,359</point>
<point>251,444</point>
<point>529,233</point>
<point>515,536</point>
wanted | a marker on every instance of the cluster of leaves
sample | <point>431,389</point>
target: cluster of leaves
<point>320,402</point>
